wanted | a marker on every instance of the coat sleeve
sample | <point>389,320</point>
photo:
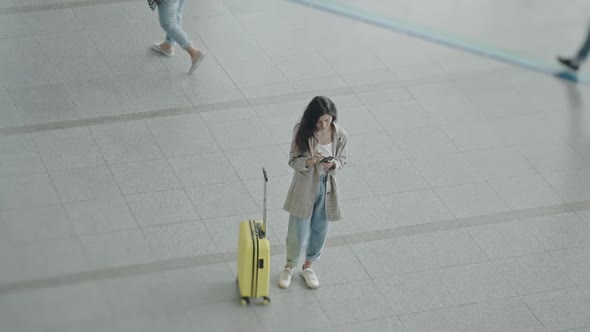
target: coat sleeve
<point>341,154</point>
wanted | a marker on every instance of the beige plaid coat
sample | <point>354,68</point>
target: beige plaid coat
<point>303,190</point>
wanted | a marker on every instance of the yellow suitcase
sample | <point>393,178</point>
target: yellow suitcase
<point>254,257</point>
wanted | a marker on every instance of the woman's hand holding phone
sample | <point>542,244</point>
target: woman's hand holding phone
<point>328,162</point>
<point>314,159</point>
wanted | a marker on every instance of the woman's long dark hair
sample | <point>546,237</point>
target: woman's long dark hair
<point>317,107</point>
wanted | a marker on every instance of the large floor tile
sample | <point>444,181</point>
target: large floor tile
<point>248,163</point>
<point>243,134</point>
<point>357,120</point>
<point>447,170</point>
<point>85,183</point>
<point>129,296</point>
<point>161,207</point>
<point>214,316</point>
<point>560,309</point>
<point>389,257</point>
<point>182,135</point>
<point>422,141</point>
<point>364,215</point>
<point>499,163</point>
<point>338,265</point>
<point>254,73</point>
<point>174,320</point>
<point>80,68</point>
<point>560,231</point>
<point>474,283</point>
<point>474,135</point>
<point>415,292</point>
<point>54,258</point>
<point>400,115</point>
<point>496,315</point>
<point>571,185</point>
<point>506,239</point>
<point>391,324</point>
<point>448,248</point>
<point>37,224</point>
<point>351,183</point>
<point>187,239</point>
<point>100,97</point>
<point>280,127</point>
<point>371,149</point>
<point>219,200</point>
<point>584,215</point>
<point>178,289</point>
<point>415,207</point>
<point>45,103</point>
<point>27,191</point>
<point>145,176</point>
<point>474,199</point>
<point>537,193</point>
<point>100,216</point>
<point>116,249</point>
<point>533,273</point>
<point>9,115</point>
<point>126,142</point>
<point>19,156</point>
<point>388,177</point>
<point>154,91</point>
<point>553,155</point>
<point>68,148</point>
<point>203,169</point>
<point>353,302</point>
<point>576,263</point>
<point>300,310</point>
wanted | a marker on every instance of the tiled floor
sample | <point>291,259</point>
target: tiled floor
<point>122,179</point>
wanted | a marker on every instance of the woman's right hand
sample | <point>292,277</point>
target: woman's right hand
<point>314,159</point>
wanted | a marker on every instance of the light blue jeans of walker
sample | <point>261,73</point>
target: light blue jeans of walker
<point>311,232</point>
<point>170,14</point>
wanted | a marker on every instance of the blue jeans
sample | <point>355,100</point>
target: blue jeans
<point>312,232</point>
<point>170,13</point>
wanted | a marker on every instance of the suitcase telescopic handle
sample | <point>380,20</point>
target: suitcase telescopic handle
<point>264,200</point>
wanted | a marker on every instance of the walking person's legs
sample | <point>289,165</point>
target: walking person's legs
<point>585,49</point>
<point>169,41</point>
<point>575,62</point>
<point>170,16</point>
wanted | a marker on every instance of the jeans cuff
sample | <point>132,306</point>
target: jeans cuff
<point>312,259</point>
<point>187,45</point>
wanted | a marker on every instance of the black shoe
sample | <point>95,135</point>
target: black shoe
<point>570,63</point>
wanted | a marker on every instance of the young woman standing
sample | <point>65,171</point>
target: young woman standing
<point>318,152</point>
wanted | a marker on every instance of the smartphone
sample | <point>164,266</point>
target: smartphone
<point>326,159</point>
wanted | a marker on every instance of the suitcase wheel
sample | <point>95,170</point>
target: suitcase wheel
<point>244,301</point>
<point>266,300</point>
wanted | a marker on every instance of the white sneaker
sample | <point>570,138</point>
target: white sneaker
<point>156,47</point>
<point>311,280</point>
<point>196,61</point>
<point>285,277</point>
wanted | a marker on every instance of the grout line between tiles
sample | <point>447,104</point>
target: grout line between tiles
<point>238,103</point>
<point>279,249</point>
<point>58,6</point>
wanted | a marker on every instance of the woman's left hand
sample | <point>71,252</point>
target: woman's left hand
<point>329,165</point>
